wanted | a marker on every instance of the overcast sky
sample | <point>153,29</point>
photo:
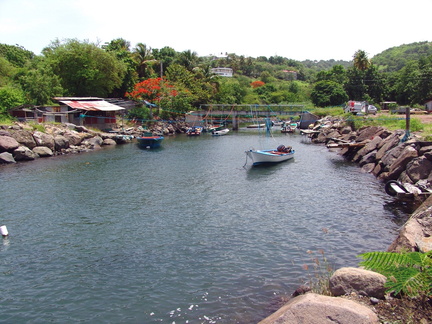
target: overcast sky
<point>300,30</point>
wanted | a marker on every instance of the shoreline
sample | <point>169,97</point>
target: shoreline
<point>389,157</point>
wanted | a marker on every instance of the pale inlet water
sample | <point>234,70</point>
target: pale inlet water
<point>182,234</point>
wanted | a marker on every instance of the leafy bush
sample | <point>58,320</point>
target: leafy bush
<point>407,273</point>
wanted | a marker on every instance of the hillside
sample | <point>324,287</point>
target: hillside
<point>395,58</point>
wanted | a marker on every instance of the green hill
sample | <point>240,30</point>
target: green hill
<point>395,58</point>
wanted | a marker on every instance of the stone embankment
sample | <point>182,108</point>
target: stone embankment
<point>22,142</point>
<point>389,156</point>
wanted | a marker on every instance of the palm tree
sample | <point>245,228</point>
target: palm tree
<point>144,58</point>
<point>361,61</point>
<point>188,59</point>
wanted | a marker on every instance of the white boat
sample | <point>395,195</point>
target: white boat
<point>220,132</point>
<point>256,126</point>
<point>281,154</point>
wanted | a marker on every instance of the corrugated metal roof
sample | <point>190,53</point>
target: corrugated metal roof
<point>91,105</point>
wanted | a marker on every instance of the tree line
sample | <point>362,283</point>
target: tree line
<point>182,81</point>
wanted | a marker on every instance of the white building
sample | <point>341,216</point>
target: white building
<point>225,72</point>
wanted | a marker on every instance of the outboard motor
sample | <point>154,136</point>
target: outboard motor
<point>281,148</point>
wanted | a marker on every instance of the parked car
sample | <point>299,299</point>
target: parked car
<point>371,110</point>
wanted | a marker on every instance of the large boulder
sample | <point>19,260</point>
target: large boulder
<point>399,165</point>
<point>109,141</point>
<point>416,234</point>
<point>418,169</point>
<point>25,138</point>
<point>8,144</point>
<point>369,147</point>
<point>43,139</point>
<point>387,144</point>
<point>94,142</point>
<point>312,309</point>
<point>60,142</point>
<point>73,138</point>
<point>364,282</point>
<point>368,133</point>
<point>6,157</point>
<point>43,151</point>
<point>23,153</point>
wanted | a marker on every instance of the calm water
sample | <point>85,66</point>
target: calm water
<point>183,234</point>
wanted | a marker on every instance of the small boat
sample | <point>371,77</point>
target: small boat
<point>220,132</point>
<point>289,128</point>
<point>211,128</point>
<point>256,126</point>
<point>148,140</point>
<point>194,131</point>
<point>281,154</point>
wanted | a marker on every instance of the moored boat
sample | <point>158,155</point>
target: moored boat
<point>148,140</point>
<point>194,131</point>
<point>256,126</point>
<point>220,132</point>
<point>281,154</point>
<point>289,128</point>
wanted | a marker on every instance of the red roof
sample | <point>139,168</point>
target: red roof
<point>97,105</point>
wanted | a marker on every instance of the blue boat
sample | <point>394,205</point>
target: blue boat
<point>150,141</point>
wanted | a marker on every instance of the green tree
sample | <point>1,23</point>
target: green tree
<point>165,56</point>
<point>85,69</point>
<point>16,55</point>
<point>188,59</point>
<point>40,84</point>
<point>231,92</point>
<point>328,93</point>
<point>406,83</point>
<point>7,71</point>
<point>121,49</point>
<point>10,97</point>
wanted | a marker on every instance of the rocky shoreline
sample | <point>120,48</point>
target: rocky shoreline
<point>358,295</point>
<point>24,142</point>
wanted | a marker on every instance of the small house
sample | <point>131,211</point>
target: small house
<point>428,106</point>
<point>84,111</point>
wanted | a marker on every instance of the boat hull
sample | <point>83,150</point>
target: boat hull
<point>220,132</point>
<point>150,141</point>
<point>268,156</point>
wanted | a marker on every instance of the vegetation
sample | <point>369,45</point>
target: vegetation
<point>409,274</point>
<point>115,69</point>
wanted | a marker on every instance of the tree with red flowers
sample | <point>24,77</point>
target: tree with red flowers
<point>157,91</point>
<point>152,90</point>
<point>257,84</point>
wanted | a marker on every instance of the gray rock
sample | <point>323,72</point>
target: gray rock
<point>60,142</point>
<point>8,144</point>
<point>416,234</point>
<point>364,282</point>
<point>313,309</point>
<point>24,138</point>
<point>367,133</point>
<point>387,144</point>
<point>399,164</point>
<point>368,158</point>
<point>109,141</point>
<point>6,157</point>
<point>418,169</point>
<point>43,139</point>
<point>23,153</point>
<point>73,138</point>
<point>43,151</point>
